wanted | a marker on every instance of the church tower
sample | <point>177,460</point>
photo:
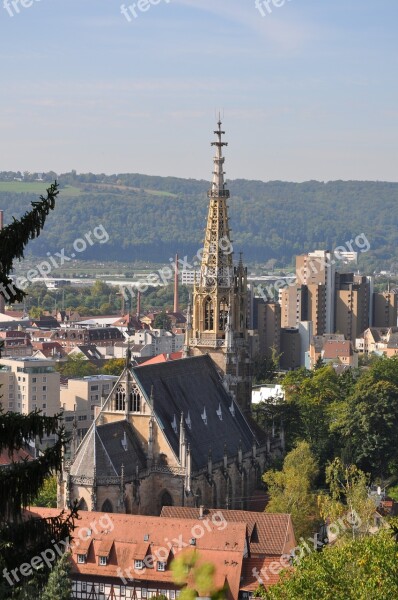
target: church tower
<point>219,313</point>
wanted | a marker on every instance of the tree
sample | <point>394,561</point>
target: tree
<point>348,497</point>
<point>356,570</point>
<point>114,366</point>
<point>76,366</point>
<point>59,584</point>
<point>371,424</point>
<point>265,368</point>
<point>20,481</point>
<point>47,495</point>
<point>291,490</point>
<point>162,321</point>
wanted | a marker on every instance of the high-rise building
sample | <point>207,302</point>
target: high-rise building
<point>316,271</point>
<point>219,312</point>
<point>384,309</point>
<point>267,324</point>
<point>352,305</point>
<point>29,384</point>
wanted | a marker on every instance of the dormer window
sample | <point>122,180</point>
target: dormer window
<point>161,565</point>
<point>138,564</point>
<point>81,559</point>
<point>102,561</point>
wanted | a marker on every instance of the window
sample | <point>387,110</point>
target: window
<point>44,388</point>
<point>34,379</point>
<point>122,590</point>
<point>84,586</point>
<point>161,566</point>
<point>120,398</point>
<point>138,564</point>
<point>94,388</point>
<point>44,405</point>
<point>34,397</point>
<point>34,389</point>
<point>102,587</point>
<point>44,379</point>
<point>102,561</point>
<point>144,593</point>
<point>81,558</point>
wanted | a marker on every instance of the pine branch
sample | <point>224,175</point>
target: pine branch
<point>17,429</point>
<point>21,481</point>
<point>14,238</point>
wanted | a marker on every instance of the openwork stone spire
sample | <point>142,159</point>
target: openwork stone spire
<point>216,266</point>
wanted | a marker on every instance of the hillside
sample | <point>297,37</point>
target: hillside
<point>151,218</point>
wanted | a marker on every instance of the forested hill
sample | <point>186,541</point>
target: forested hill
<point>152,218</point>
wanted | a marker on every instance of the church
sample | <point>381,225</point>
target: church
<point>180,433</point>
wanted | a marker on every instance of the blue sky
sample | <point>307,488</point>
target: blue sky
<point>309,91</point>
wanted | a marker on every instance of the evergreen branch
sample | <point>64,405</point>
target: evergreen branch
<point>17,429</point>
<point>14,238</point>
<point>21,481</point>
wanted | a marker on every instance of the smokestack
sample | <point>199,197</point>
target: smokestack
<point>2,302</point>
<point>138,304</point>
<point>176,286</point>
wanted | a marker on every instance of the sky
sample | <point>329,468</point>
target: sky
<point>307,89</point>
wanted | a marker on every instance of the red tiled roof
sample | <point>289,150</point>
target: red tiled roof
<point>333,349</point>
<point>162,358</point>
<point>265,571</point>
<point>16,456</point>
<point>216,541</point>
<point>270,534</point>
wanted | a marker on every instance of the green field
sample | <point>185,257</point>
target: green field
<point>35,187</point>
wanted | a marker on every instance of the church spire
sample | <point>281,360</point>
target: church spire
<point>218,184</point>
<point>216,266</point>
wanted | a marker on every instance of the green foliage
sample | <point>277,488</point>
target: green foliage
<point>362,569</point>
<point>59,584</point>
<point>14,238</point>
<point>348,495</point>
<point>291,490</point>
<point>114,366</point>
<point>265,368</point>
<point>20,481</point>
<point>47,496</point>
<point>76,366</point>
<point>299,217</point>
<point>196,576</point>
<point>162,321</point>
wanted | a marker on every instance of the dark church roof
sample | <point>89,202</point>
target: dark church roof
<point>192,386</point>
<point>109,447</point>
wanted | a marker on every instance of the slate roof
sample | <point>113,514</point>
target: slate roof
<point>192,386</point>
<point>104,442</point>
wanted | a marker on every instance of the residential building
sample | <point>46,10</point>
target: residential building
<point>384,309</point>
<point>30,383</point>
<point>117,556</point>
<point>290,348</point>
<point>352,305</point>
<point>17,343</point>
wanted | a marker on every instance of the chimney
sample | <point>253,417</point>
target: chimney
<point>2,303</point>
<point>138,304</point>
<point>201,509</point>
<point>176,286</point>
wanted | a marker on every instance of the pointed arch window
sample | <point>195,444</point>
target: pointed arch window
<point>209,314</point>
<point>120,398</point>
<point>223,314</point>
<point>135,400</point>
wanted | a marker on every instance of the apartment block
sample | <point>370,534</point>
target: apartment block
<point>30,383</point>
<point>352,305</point>
<point>267,325</point>
<point>384,309</point>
